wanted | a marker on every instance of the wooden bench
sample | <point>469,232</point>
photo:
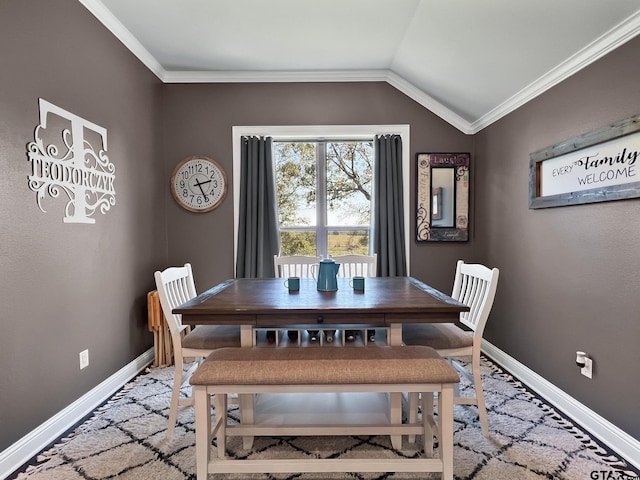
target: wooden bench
<point>319,370</point>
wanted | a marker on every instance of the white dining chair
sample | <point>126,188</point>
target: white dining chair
<point>357,265</point>
<point>295,265</point>
<point>303,266</point>
<point>354,265</point>
<point>475,286</point>
<point>175,286</point>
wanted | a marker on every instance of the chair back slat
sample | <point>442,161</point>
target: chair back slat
<point>357,265</point>
<point>302,266</point>
<point>475,286</point>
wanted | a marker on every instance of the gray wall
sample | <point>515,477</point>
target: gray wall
<point>569,278</point>
<point>68,287</point>
<point>198,120</point>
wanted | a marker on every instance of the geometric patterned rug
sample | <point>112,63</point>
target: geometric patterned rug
<point>125,439</point>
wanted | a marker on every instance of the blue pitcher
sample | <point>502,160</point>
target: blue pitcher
<point>328,275</point>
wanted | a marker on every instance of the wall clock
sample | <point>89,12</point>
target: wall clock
<point>199,184</point>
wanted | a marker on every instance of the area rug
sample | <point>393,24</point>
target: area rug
<point>125,439</point>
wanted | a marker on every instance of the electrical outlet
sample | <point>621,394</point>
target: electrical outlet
<point>587,370</point>
<point>84,359</point>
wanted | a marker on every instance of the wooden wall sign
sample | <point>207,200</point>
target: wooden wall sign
<point>598,166</point>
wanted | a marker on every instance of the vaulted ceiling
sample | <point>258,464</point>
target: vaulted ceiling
<point>468,61</point>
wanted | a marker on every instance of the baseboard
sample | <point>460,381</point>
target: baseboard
<point>37,440</point>
<point>30,445</point>
<point>615,438</point>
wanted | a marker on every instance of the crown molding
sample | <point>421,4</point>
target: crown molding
<point>428,102</point>
<point>615,37</point>
<point>388,76</point>
<point>284,76</point>
<point>609,41</point>
<point>104,15</point>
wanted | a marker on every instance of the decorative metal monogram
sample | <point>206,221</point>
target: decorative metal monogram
<point>81,171</point>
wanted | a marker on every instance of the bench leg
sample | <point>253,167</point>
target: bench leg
<point>245,401</point>
<point>428,422</point>
<point>414,401</point>
<point>220,404</point>
<point>246,416</point>
<point>395,412</point>
<point>445,430</point>
<point>395,417</point>
<point>203,430</point>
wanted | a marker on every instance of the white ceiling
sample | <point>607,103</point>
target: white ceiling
<point>468,61</point>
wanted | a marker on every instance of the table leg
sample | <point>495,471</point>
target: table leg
<point>246,336</point>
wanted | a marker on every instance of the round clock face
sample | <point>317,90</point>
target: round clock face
<point>198,184</point>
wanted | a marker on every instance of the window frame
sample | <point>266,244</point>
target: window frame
<point>333,132</point>
<point>321,227</point>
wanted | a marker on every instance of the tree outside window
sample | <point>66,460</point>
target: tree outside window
<point>324,196</point>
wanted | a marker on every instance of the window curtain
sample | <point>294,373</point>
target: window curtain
<point>388,222</point>
<point>258,236</point>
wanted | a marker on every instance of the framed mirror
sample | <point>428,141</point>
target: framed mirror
<point>442,197</point>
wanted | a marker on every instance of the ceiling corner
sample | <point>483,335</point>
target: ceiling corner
<point>104,15</point>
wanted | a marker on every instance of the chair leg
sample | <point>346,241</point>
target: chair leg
<point>460,368</point>
<point>414,402</point>
<point>175,394</point>
<point>477,384</point>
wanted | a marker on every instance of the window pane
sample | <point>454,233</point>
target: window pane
<point>348,242</point>
<point>298,243</point>
<point>324,189</point>
<point>295,165</point>
<point>349,172</point>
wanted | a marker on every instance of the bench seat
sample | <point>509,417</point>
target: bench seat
<point>387,369</point>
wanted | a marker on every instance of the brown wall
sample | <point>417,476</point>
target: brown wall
<point>199,118</point>
<point>569,275</point>
<point>68,287</point>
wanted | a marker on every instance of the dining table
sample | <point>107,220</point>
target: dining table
<point>260,304</point>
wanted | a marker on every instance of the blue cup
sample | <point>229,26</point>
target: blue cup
<point>357,283</point>
<point>292,283</point>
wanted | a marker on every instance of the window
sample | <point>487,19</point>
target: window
<point>324,196</point>
<point>300,133</point>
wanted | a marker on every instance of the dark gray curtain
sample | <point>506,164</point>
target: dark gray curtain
<point>388,223</point>
<point>258,237</point>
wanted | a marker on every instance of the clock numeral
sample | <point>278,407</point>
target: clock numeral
<point>194,168</point>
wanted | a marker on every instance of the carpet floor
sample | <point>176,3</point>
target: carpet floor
<point>125,439</point>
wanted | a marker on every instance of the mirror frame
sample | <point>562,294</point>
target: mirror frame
<point>425,232</point>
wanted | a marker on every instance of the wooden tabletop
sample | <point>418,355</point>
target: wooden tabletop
<point>267,302</point>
